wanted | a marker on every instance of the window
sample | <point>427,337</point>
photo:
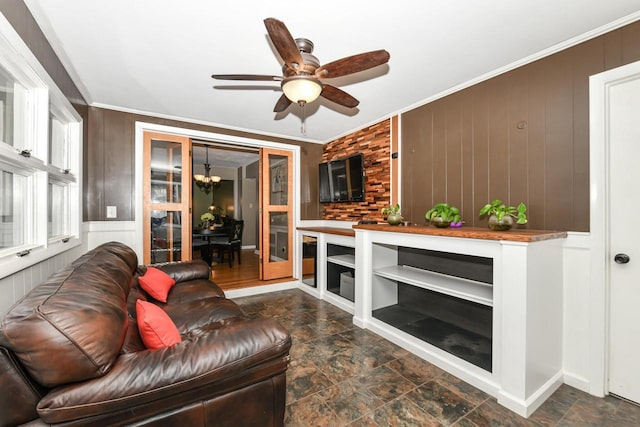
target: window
<point>58,224</point>
<point>40,136</point>
<point>8,87</point>
<point>12,215</point>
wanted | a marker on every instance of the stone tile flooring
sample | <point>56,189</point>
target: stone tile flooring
<point>341,375</point>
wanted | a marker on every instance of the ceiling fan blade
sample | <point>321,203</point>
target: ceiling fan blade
<point>282,104</point>
<point>284,43</point>
<point>258,77</point>
<point>353,64</point>
<point>338,96</point>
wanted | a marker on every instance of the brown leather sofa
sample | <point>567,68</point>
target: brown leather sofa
<point>71,353</point>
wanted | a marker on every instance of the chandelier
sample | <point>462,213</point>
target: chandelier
<point>206,182</point>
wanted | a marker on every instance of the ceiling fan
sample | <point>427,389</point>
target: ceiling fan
<point>302,76</point>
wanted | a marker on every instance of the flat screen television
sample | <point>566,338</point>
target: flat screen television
<point>342,180</point>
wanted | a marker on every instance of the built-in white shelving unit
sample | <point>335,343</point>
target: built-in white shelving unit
<point>502,289</point>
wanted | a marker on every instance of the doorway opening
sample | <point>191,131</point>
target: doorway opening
<point>240,204</point>
<point>234,197</point>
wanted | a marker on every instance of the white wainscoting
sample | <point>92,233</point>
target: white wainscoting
<point>99,232</point>
<point>576,316</point>
<point>14,287</point>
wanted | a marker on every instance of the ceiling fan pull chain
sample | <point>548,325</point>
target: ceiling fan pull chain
<point>303,126</point>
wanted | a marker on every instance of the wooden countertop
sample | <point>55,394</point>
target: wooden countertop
<point>513,235</point>
<point>331,230</point>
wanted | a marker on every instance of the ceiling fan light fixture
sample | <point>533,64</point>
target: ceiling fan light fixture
<point>302,89</point>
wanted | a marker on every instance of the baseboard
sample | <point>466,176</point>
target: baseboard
<point>527,407</point>
<point>577,381</point>
<point>258,290</point>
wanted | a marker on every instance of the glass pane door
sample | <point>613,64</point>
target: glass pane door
<point>167,228</point>
<point>276,251</point>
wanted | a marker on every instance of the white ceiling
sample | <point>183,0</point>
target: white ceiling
<point>157,56</point>
<point>221,157</point>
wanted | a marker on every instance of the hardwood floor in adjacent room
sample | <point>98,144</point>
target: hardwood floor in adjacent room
<point>243,275</point>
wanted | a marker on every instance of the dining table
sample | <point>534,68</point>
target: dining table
<point>206,235</point>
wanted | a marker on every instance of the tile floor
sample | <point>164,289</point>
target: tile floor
<point>341,375</point>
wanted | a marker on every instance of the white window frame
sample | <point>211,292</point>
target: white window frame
<point>40,99</point>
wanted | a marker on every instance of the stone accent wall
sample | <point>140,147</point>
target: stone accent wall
<point>374,142</point>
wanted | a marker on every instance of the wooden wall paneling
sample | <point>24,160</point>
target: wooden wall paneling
<point>467,207</point>
<point>94,153</point>
<point>546,164</point>
<point>416,161</point>
<point>612,45</point>
<point>480,99</point>
<point>536,146</point>
<point>422,172</point>
<point>499,172</point>
<point>518,138</point>
<point>407,164</point>
<point>439,152</point>
<point>453,129</point>
<point>588,59</point>
<point>559,144</point>
<point>311,155</point>
<point>119,165</point>
<point>630,45</point>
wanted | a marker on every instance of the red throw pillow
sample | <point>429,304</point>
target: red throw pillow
<point>157,283</point>
<point>157,330</point>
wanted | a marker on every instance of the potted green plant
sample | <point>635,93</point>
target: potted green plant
<point>207,219</point>
<point>443,215</point>
<point>501,216</point>
<point>392,214</point>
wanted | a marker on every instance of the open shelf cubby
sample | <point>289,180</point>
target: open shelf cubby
<point>341,264</point>
<point>442,298</point>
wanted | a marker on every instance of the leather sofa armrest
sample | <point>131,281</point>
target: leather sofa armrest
<point>183,271</point>
<point>205,358</point>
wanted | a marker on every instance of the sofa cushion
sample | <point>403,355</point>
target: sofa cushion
<point>157,283</point>
<point>201,313</point>
<point>194,290</point>
<point>156,327</point>
<point>71,327</point>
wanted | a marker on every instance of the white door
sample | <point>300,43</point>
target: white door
<point>624,238</point>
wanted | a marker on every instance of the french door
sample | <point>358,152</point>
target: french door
<point>167,198</point>
<point>276,213</point>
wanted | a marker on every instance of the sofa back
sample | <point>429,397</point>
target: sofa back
<point>71,327</point>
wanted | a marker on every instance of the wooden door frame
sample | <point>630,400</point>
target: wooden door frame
<point>599,285</point>
<point>278,269</point>
<point>185,182</point>
<point>141,127</point>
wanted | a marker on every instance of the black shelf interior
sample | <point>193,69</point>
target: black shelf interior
<point>459,327</point>
<point>335,270</point>
<point>310,251</point>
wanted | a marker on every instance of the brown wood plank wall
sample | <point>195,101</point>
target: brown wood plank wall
<point>520,136</point>
<point>109,154</point>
